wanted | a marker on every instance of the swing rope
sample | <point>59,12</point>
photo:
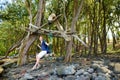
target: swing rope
<point>50,36</point>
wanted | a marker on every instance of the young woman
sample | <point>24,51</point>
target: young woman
<point>44,50</point>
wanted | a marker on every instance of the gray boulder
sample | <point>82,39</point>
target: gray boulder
<point>117,68</point>
<point>82,77</point>
<point>52,71</point>
<point>98,62</point>
<point>90,70</point>
<point>1,70</point>
<point>79,72</point>
<point>76,66</point>
<point>100,78</point>
<point>94,75</point>
<point>100,74</point>
<point>54,78</point>
<point>27,77</point>
<point>65,70</point>
<point>95,66</point>
<point>103,76</point>
<point>70,78</point>
<point>99,68</point>
<point>87,74</point>
<point>111,65</point>
<point>108,75</point>
<point>105,70</point>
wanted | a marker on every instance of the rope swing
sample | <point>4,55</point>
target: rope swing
<point>50,36</point>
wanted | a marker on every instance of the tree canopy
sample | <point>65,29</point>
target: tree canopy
<point>97,18</point>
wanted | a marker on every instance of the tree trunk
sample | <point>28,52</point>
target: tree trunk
<point>104,33</point>
<point>69,47</point>
<point>114,39</point>
<point>30,38</point>
<point>91,43</point>
<point>69,50</point>
<point>94,30</point>
<point>26,43</point>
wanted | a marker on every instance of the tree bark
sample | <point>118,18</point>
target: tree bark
<point>96,27</point>
<point>69,47</point>
<point>114,39</point>
<point>24,48</point>
<point>104,33</point>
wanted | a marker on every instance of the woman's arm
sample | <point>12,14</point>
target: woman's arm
<point>47,43</point>
<point>39,46</point>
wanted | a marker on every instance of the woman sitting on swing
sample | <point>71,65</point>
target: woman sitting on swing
<point>44,50</point>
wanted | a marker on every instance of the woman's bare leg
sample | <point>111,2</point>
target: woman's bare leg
<point>37,62</point>
<point>38,57</point>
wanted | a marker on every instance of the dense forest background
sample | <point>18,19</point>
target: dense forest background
<point>98,25</point>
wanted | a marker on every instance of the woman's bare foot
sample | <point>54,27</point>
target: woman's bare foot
<point>38,66</point>
<point>34,67</point>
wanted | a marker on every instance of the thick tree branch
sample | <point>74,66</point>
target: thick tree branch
<point>36,28</point>
<point>76,16</point>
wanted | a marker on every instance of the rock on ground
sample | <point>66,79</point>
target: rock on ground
<point>117,68</point>
<point>1,70</point>
<point>65,70</point>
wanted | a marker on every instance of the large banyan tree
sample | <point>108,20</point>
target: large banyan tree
<point>33,31</point>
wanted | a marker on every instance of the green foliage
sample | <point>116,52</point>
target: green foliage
<point>9,35</point>
<point>14,12</point>
<point>15,18</point>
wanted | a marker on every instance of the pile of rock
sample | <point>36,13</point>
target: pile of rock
<point>97,70</point>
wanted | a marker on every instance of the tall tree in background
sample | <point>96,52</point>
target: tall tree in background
<point>75,18</point>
